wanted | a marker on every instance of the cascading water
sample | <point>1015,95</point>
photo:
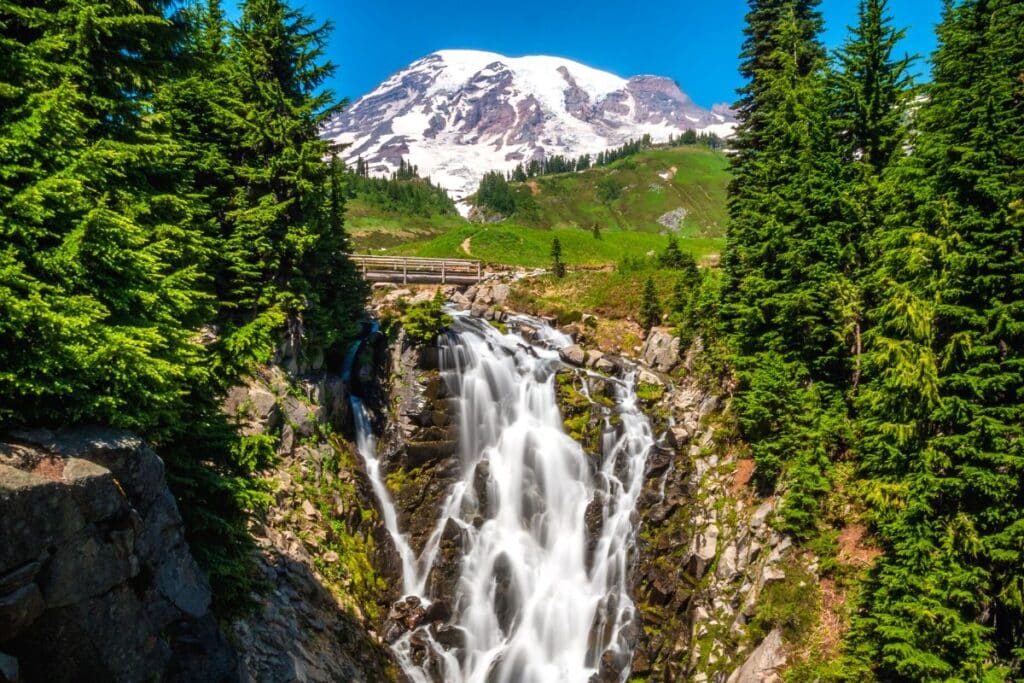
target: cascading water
<point>540,599</point>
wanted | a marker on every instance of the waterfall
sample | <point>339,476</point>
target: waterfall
<point>366,444</point>
<point>539,599</point>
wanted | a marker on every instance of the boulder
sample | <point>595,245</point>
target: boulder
<point>593,357</point>
<point>661,349</point>
<point>764,663</point>
<point>648,377</point>
<point>574,355</point>
<point>499,294</point>
<point>395,295</point>
<point>301,416</point>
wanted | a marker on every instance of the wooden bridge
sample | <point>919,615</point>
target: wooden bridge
<point>412,270</point>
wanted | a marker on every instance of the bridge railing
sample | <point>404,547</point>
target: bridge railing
<point>406,266</point>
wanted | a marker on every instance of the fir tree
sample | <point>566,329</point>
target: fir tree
<point>100,273</point>
<point>650,307</point>
<point>942,412</point>
<point>557,266</point>
<point>783,256</point>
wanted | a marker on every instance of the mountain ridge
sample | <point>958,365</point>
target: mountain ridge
<point>457,114</point>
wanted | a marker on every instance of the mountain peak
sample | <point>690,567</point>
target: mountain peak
<point>457,114</point>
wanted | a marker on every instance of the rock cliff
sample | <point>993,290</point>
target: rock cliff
<point>96,578</point>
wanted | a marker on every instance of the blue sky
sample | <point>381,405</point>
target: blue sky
<point>696,42</point>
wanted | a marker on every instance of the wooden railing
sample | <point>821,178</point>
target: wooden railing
<point>406,269</point>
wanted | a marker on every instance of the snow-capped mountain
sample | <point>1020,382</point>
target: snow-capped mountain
<point>457,114</point>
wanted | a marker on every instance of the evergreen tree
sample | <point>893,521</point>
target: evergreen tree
<point>942,412</point>
<point>871,91</point>
<point>557,266</point>
<point>100,271</point>
<point>494,193</point>
<point>279,219</point>
<point>783,258</point>
<point>650,307</point>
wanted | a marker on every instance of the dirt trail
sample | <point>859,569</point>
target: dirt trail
<point>466,245</point>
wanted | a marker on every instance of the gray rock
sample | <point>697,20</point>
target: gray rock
<point>108,584</point>
<point>499,294</point>
<point>661,349</point>
<point>727,568</point>
<point>85,566</point>
<point>287,444</point>
<point>573,355</point>
<point>18,609</point>
<point>8,669</point>
<point>301,416</point>
<point>760,515</point>
<point>648,377</point>
<point>397,294</point>
<point>705,548</point>
<point>764,663</point>
<point>593,357</point>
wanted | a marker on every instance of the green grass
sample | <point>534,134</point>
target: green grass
<point>517,245</point>
<point>612,294</point>
<point>699,185</point>
<point>567,206</point>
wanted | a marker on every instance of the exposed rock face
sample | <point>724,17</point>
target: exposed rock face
<point>96,579</point>
<point>317,545</point>
<point>419,456</point>
<point>698,514</point>
<point>764,663</point>
<point>661,349</point>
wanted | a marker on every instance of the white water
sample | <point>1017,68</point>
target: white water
<point>531,606</point>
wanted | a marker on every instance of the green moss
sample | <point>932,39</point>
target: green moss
<point>352,578</point>
<point>792,605</point>
<point>499,326</point>
<point>400,479</point>
<point>649,392</point>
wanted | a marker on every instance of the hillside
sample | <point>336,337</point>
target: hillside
<point>635,193</point>
<point>624,200</point>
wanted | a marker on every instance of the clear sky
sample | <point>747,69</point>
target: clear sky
<point>696,42</point>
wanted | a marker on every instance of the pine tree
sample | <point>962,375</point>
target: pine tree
<point>942,413</point>
<point>557,266</point>
<point>650,307</point>
<point>100,269</point>
<point>783,258</point>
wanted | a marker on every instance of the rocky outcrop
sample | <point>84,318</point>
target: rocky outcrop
<point>318,545</point>
<point>419,457</point>
<point>707,552</point>
<point>661,349</point>
<point>764,663</point>
<point>96,578</point>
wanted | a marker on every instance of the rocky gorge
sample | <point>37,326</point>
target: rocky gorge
<point>706,570</point>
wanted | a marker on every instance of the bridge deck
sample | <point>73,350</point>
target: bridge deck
<point>413,270</point>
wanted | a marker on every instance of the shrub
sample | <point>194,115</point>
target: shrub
<point>423,322</point>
